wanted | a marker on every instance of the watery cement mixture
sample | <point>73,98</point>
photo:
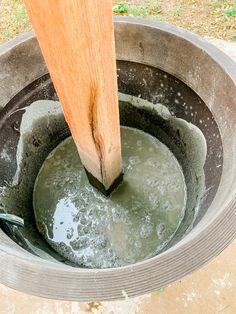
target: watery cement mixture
<point>134,223</point>
<point>155,202</point>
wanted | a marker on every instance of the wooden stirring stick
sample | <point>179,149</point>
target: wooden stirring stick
<point>77,41</point>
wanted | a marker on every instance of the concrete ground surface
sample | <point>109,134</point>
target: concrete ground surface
<point>210,290</point>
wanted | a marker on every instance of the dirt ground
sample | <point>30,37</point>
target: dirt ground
<point>209,18</point>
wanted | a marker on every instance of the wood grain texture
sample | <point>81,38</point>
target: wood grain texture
<point>77,41</point>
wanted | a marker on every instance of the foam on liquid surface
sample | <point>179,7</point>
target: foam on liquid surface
<point>134,224</point>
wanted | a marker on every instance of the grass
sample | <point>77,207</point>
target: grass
<point>13,19</point>
<point>121,8</point>
<point>204,17</point>
<point>145,9</point>
<point>176,10</point>
<point>231,12</point>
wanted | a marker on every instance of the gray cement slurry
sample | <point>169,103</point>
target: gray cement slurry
<point>134,223</point>
<point>156,210</point>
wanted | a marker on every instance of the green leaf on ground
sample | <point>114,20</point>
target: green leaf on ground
<point>160,290</point>
<point>231,12</point>
<point>121,8</point>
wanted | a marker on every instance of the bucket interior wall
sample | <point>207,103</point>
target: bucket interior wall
<point>134,79</point>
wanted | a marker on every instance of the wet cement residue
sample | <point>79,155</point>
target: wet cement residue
<point>43,127</point>
<point>184,139</point>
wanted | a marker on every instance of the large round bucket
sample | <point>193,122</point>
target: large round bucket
<point>159,63</point>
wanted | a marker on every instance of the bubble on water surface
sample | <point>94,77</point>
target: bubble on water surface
<point>135,223</point>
